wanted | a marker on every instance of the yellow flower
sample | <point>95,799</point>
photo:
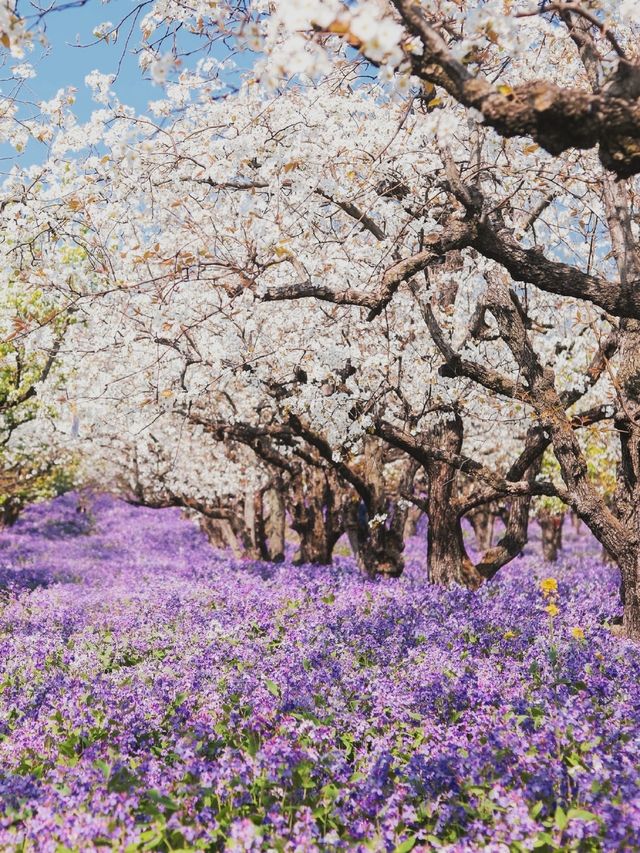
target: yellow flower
<point>549,586</point>
<point>509,635</point>
<point>577,633</point>
<point>552,609</point>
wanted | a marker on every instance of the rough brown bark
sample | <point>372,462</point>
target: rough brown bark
<point>313,516</point>
<point>220,534</point>
<point>438,455</point>
<point>377,548</point>
<point>627,497</point>
<point>482,520</point>
<point>248,525</point>
<point>515,535</point>
<point>411,524</point>
<point>556,117</point>
<point>630,594</point>
<point>10,512</point>
<point>551,534</point>
<point>375,526</point>
<point>447,559</point>
<point>581,494</point>
<point>266,525</point>
<point>274,522</point>
<point>626,546</point>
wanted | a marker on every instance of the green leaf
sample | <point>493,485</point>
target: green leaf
<point>103,766</point>
<point>581,814</point>
<point>406,845</point>
<point>536,809</point>
<point>544,839</point>
<point>561,819</point>
<point>273,688</point>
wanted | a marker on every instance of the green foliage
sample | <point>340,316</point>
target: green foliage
<point>28,471</point>
<point>28,477</point>
<point>600,456</point>
<point>23,365</point>
<point>550,470</point>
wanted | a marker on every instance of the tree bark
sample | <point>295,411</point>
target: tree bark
<point>439,454</point>
<point>382,545</point>
<point>274,522</point>
<point>627,497</point>
<point>551,530</point>
<point>618,210</point>
<point>606,557</point>
<point>353,524</point>
<point>220,534</point>
<point>375,528</point>
<point>411,524</point>
<point>377,547</point>
<point>630,595</point>
<point>556,117</point>
<point>313,517</point>
<point>482,520</point>
<point>10,512</point>
<point>447,559</point>
<point>250,527</point>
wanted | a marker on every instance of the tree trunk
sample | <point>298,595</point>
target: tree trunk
<point>221,535</point>
<point>626,544</point>
<point>628,486</point>
<point>212,528</point>
<point>377,548</point>
<point>10,512</point>
<point>606,557</point>
<point>447,559</point>
<point>375,530</point>
<point>310,525</point>
<point>274,523</point>
<point>414,514</point>
<point>627,498</point>
<point>259,532</point>
<point>353,524</point>
<point>314,542</point>
<point>630,595</point>
<point>551,530</point>
<point>312,517</point>
<point>249,527</point>
<point>482,521</point>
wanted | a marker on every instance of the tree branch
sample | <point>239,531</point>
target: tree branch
<point>557,118</point>
<point>423,453</point>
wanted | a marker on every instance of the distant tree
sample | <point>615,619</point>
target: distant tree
<point>393,235</point>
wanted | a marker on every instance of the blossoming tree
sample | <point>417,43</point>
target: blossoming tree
<point>475,63</point>
<point>389,242</point>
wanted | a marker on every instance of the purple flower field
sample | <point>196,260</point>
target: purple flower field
<point>155,695</point>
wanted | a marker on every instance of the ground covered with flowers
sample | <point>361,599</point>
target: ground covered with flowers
<point>155,695</point>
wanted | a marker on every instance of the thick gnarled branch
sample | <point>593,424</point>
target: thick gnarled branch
<point>557,118</point>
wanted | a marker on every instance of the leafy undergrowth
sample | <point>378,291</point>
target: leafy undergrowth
<point>157,696</point>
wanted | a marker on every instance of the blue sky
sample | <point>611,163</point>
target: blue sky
<point>67,64</point>
<point>64,64</point>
